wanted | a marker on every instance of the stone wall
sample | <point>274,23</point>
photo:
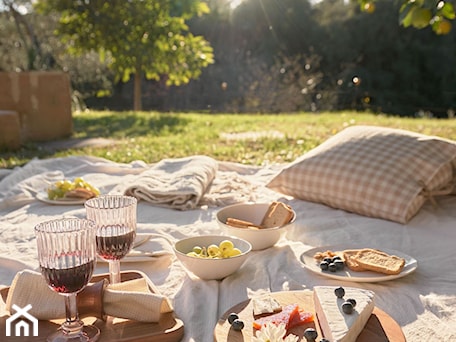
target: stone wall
<point>42,101</point>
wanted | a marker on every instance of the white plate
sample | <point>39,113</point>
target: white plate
<point>43,197</point>
<point>142,255</point>
<point>348,275</point>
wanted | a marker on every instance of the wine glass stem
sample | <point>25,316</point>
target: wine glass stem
<point>114,271</point>
<point>72,324</point>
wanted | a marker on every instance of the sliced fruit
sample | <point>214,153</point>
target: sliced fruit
<point>291,316</point>
<point>303,318</point>
<point>282,317</point>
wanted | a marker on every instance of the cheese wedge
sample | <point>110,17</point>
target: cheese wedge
<point>337,326</point>
<point>265,305</point>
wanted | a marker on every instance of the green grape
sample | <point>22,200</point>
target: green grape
<point>197,249</point>
<point>225,249</point>
<point>93,189</point>
<point>226,246</point>
<point>234,252</point>
<point>213,251</point>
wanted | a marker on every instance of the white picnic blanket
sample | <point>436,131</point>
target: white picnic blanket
<point>422,303</point>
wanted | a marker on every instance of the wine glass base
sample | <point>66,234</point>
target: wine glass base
<point>89,333</point>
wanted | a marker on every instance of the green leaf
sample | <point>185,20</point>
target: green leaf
<point>447,11</point>
<point>406,14</point>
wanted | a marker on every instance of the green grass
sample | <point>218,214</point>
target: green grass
<point>152,136</point>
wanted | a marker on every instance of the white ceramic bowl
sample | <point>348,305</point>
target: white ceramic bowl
<point>252,212</point>
<point>210,269</point>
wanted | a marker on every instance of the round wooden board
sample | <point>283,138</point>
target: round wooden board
<point>380,328</point>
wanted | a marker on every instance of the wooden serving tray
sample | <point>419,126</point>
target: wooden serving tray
<point>168,329</point>
<point>380,327</point>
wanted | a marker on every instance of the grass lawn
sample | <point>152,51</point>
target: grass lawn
<point>152,136</point>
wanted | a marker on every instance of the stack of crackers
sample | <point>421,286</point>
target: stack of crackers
<point>277,215</point>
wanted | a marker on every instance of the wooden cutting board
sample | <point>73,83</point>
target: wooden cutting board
<point>168,329</point>
<point>380,327</point>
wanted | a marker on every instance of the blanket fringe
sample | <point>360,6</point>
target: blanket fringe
<point>228,188</point>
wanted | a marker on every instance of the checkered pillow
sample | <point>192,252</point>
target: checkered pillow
<point>372,171</point>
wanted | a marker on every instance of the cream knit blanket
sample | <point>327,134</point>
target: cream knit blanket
<point>173,183</point>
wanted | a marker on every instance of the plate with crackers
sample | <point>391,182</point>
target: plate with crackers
<point>358,264</point>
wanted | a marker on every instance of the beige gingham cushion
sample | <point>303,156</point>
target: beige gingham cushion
<point>372,171</point>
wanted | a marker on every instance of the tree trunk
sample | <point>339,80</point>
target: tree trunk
<point>137,103</point>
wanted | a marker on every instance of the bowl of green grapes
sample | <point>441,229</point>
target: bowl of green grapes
<point>212,257</point>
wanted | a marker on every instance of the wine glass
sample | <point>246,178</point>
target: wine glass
<point>115,218</point>
<point>67,257</point>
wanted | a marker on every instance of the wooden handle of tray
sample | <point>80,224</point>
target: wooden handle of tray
<point>90,300</point>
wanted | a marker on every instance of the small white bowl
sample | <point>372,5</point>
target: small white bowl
<point>206,268</point>
<point>252,212</point>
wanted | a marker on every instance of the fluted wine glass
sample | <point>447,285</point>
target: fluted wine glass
<point>115,218</point>
<point>67,257</point>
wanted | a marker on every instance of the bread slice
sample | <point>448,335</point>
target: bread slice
<point>350,261</point>
<point>277,215</point>
<point>379,261</point>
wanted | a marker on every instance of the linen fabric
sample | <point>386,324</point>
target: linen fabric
<point>131,299</point>
<point>373,171</point>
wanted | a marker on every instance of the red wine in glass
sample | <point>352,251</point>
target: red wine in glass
<point>115,217</point>
<point>67,257</point>
<point>68,280</point>
<point>115,247</point>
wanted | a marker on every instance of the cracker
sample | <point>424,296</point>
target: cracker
<point>379,261</point>
<point>241,223</point>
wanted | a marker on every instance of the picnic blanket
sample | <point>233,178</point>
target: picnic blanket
<point>422,302</point>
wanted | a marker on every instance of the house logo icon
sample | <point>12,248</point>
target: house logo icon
<point>22,325</point>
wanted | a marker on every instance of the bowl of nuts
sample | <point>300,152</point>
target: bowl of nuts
<point>212,257</point>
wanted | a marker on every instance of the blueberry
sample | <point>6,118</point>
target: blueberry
<point>310,334</point>
<point>334,258</point>
<point>232,316</point>
<point>332,267</point>
<point>237,324</point>
<point>339,265</point>
<point>351,300</point>
<point>347,307</point>
<point>324,266</point>
<point>339,292</point>
<point>328,260</point>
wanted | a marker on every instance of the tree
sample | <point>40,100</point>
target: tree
<point>397,70</point>
<point>148,38</point>
<point>27,38</point>
<point>421,13</point>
